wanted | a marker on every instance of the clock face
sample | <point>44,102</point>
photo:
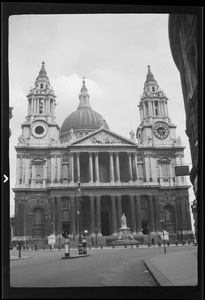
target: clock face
<point>161,131</point>
<point>39,129</point>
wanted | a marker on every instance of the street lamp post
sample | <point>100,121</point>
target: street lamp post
<point>162,224</point>
<point>79,219</point>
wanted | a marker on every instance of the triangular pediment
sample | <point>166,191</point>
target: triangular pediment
<point>164,159</point>
<point>38,159</point>
<point>103,137</point>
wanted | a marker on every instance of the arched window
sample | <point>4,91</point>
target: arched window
<point>41,85</point>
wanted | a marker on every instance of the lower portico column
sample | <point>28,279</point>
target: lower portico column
<point>132,210</point>
<point>151,215</point>
<point>119,210</point>
<point>138,216</point>
<point>98,215</point>
<point>52,236</point>
<point>73,215</point>
<point>158,226</point>
<point>92,216</point>
<point>59,199</point>
<point>114,221</point>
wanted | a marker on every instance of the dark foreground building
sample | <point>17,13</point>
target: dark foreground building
<point>183,43</point>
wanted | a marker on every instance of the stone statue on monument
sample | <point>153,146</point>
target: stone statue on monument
<point>123,221</point>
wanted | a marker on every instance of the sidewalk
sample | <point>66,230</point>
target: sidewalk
<point>174,269</point>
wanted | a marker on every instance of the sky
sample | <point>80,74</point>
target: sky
<point>111,50</point>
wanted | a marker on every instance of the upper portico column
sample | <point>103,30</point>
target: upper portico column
<point>117,167</point>
<point>130,167</point>
<point>91,167</point>
<point>136,169</point>
<point>97,181</point>
<point>71,168</point>
<point>78,165</point>
<point>111,168</point>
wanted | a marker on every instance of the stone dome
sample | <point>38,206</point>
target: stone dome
<point>84,118</point>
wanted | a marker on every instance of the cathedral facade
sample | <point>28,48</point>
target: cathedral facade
<point>82,177</point>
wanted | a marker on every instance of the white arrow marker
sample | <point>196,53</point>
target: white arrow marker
<point>6,178</point>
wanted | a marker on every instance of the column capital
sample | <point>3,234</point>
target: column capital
<point>138,197</point>
<point>98,197</point>
<point>113,197</point>
<point>92,197</point>
<point>132,196</point>
<point>59,198</point>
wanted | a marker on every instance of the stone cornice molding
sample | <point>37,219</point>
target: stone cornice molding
<point>102,149</point>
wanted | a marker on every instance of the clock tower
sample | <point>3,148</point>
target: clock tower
<point>155,128</point>
<point>40,127</point>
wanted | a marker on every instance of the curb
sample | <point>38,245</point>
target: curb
<point>19,258</point>
<point>158,276</point>
<point>77,256</point>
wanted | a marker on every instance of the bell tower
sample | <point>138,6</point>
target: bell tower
<point>40,126</point>
<point>155,128</point>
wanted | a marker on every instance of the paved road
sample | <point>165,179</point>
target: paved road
<point>106,267</point>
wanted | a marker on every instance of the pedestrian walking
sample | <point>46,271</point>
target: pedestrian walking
<point>153,242</point>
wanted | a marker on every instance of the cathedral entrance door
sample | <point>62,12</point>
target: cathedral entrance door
<point>144,227</point>
<point>105,223</point>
